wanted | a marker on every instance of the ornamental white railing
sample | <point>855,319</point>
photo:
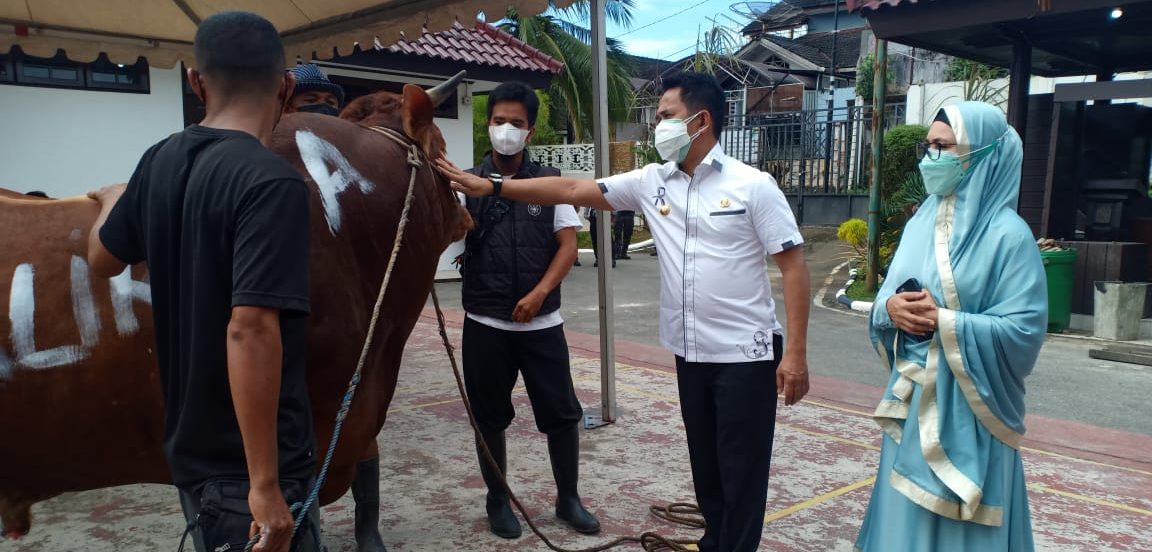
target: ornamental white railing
<point>566,157</point>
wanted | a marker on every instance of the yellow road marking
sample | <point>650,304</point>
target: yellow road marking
<point>419,406</point>
<point>828,437</point>
<point>1099,502</point>
<point>817,500</point>
<point>1082,460</point>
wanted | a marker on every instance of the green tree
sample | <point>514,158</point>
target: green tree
<point>979,80</point>
<point>560,35</point>
<point>960,69</point>
<point>865,76</point>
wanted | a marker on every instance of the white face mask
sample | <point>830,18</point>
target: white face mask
<point>507,139</point>
<point>672,140</point>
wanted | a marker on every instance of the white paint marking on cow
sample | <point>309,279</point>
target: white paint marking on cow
<point>22,314</point>
<point>124,291</point>
<point>83,305</point>
<point>317,155</point>
<point>76,234</point>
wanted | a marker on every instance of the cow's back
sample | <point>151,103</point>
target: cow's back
<point>79,396</point>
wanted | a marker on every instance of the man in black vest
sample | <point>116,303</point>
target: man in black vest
<point>514,261</point>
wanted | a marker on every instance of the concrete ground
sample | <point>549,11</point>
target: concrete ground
<point>1087,452</point>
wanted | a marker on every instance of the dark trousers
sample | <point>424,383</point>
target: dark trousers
<point>593,231</point>
<point>622,232</point>
<point>219,517</point>
<point>729,416</point>
<point>492,360</point>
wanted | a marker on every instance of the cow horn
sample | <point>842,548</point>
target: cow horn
<point>444,90</point>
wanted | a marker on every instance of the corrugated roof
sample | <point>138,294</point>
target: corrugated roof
<point>481,45</point>
<point>817,47</point>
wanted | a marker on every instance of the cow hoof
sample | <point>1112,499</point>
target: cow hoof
<point>370,543</point>
<point>15,535</point>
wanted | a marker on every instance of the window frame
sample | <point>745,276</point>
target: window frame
<point>15,62</point>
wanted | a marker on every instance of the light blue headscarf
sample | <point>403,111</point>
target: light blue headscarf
<point>979,261</point>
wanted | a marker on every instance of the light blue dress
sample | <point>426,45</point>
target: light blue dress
<point>950,476</point>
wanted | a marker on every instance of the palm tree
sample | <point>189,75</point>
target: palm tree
<point>558,35</point>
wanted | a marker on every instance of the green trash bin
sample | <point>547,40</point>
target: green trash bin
<point>1060,270</point>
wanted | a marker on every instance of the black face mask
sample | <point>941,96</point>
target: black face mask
<point>323,109</point>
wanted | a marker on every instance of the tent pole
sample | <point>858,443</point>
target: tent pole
<point>600,139</point>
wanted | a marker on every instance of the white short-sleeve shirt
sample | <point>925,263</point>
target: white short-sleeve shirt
<point>564,216</point>
<point>715,295</point>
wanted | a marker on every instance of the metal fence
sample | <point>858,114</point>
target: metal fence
<point>810,151</point>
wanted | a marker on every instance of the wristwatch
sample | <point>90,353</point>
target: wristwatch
<point>497,181</point>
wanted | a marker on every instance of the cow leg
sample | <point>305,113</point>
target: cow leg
<point>15,516</point>
<point>366,494</point>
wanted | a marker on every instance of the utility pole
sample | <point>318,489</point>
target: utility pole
<point>879,91</point>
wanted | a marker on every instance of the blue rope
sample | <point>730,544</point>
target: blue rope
<point>341,415</point>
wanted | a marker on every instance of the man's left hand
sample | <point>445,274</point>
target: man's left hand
<point>528,306</point>
<point>792,378</point>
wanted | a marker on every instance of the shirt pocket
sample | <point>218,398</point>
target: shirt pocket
<point>728,213</point>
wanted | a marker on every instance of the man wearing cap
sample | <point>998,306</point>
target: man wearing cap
<point>314,93</point>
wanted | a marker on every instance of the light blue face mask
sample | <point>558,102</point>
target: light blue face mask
<point>943,175</point>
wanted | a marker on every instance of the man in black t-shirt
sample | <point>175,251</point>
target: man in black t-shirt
<point>223,224</point>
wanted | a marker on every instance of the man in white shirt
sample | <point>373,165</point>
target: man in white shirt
<point>513,263</point>
<point>714,220</point>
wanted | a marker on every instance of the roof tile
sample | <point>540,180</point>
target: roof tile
<point>483,44</point>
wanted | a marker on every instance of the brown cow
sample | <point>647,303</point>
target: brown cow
<point>80,400</point>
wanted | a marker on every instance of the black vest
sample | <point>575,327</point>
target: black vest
<point>506,259</point>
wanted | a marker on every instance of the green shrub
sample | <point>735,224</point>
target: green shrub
<point>854,232</point>
<point>899,156</point>
<point>897,208</point>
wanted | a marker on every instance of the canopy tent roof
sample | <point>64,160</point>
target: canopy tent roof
<point>1068,37</point>
<point>162,30</point>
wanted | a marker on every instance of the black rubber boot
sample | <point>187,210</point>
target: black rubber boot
<point>501,520</point>
<point>564,450</point>
<point>366,494</point>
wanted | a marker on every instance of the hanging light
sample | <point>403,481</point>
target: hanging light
<point>1117,13</point>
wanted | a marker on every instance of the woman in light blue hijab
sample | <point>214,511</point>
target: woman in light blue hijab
<point>958,346</point>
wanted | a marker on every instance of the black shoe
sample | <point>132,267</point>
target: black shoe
<point>577,263</point>
<point>595,264</point>
<point>366,494</point>
<point>501,520</point>
<point>564,451</point>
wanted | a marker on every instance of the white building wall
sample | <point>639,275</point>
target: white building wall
<point>67,142</point>
<point>458,134</point>
<point>924,100</point>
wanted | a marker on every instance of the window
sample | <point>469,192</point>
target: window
<point>736,101</point>
<point>5,69</point>
<point>60,72</point>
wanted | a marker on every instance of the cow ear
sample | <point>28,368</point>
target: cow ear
<point>417,120</point>
<point>417,111</point>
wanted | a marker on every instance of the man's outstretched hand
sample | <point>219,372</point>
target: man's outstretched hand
<point>465,183</point>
